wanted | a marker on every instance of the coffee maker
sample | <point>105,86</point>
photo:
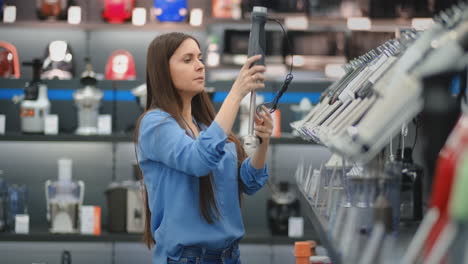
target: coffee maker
<point>35,105</point>
<point>88,100</point>
<point>64,199</point>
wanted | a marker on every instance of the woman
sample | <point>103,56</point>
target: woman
<point>194,168</point>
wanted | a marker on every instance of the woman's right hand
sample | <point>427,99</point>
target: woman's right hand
<point>250,78</point>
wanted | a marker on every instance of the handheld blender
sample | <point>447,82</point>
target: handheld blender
<point>256,46</point>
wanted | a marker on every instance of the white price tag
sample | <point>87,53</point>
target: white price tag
<point>22,224</point>
<point>9,14</point>
<point>105,124</point>
<point>2,124</point>
<point>51,125</point>
<point>74,15</point>
<point>296,227</point>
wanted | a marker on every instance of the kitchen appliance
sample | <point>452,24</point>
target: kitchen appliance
<point>58,61</point>
<point>88,100</point>
<point>362,41</point>
<point>52,9</point>
<point>9,60</point>
<point>120,66</point>
<point>282,205</point>
<point>170,10</point>
<point>3,203</point>
<point>328,48</point>
<point>35,104</point>
<point>117,11</point>
<point>125,207</point>
<point>236,44</point>
<point>140,95</point>
<point>411,188</point>
<point>64,199</point>
<point>17,204</point>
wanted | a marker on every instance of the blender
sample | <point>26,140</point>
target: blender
<point>64,199</point>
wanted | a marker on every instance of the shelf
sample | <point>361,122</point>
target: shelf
<point>314,24</point>
<point>104,26</point>
<point>44,236</point>
<point>320,227</point>
<point>287,139</point>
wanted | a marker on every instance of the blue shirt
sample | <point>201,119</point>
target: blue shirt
<point>172,163</point>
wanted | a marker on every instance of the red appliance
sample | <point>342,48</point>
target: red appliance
<point>9,61</point>
<point>120,66</point>
<point>52,8</point>
<point>117,11</point>
<point>456,145</point>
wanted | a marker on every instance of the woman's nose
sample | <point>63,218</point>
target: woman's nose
<point>200,66</point>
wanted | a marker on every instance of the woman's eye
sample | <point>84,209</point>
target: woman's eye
<point>201,60</point>
<point>187,60</point>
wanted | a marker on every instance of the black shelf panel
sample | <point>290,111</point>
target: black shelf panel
<point>288,139</point>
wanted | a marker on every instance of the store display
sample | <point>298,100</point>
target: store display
<point>64,199</point>
<point>118,11</point>
<point>9,61</point>
<point>35,105</point>
<point>87,100</point>
<point>170,10</point>
<point>58,61</point>
<point>125,207</point>
<point>120,66</point>
<point>52,9</point>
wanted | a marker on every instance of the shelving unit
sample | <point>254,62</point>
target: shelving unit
<point>288,139</point>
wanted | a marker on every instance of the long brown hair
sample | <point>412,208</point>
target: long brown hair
<point>162,94</point>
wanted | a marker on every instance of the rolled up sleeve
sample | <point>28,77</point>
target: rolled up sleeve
<point>162,139</point>
<point>252,179</point>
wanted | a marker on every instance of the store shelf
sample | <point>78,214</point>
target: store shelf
<point>320,227</point>
<point>67,137</point>
<point>314,24</point>
<point>104,26</point>
<point>44,236</point>
<point>287,139</point>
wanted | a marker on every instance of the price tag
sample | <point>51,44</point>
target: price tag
<point>296,227</point>
<point>105,124</point>
<point>22,224</point>
<point>2,124</point>
<point>51,125</point>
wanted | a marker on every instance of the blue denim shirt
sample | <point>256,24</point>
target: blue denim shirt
<point>172,163</point>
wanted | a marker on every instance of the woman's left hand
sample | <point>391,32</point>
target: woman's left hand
<point>264,125</point>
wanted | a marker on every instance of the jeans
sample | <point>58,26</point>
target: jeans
<point>197,255</point>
